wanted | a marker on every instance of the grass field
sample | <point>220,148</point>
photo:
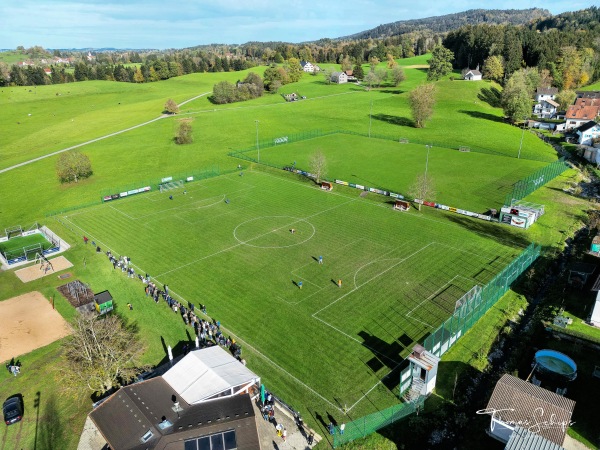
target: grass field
<point>401,274</point>
<point>389,165</point>
<point>14,246</point>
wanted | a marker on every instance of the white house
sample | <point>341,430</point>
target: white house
<point>546,109</point>
<point>587,132</point>
<point>472,75</point>
<point>545,94</point>
<point>339,77</point>
<point>307,67</point>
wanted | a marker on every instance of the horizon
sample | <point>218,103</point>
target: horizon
<point>82,24</point>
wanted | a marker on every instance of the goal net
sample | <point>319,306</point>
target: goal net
<point>13,231</point>
<point>468,302</point>
<point>170,185</point>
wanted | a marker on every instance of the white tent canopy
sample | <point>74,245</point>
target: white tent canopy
<point>209,373</point>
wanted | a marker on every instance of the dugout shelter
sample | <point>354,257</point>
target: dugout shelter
<point>327,186</point>
<point>401,205</point>
<point>103,302</point>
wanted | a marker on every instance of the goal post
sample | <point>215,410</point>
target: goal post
<point>17,230</point>
<point>468,302</point>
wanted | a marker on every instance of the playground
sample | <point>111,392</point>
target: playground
<point>43,268</point>
<point>28,322</point>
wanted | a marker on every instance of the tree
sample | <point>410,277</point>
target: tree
<point>184,132</point>
<point>381,75</point>
<point>294,70</point>
<point>398,75</point>
<point>345,64</point>
<point>422,189</point>
<point>358,72</point>
<point>73,166</point>
<point>493,68</point>
<point>565,98</point>
<point>317,164</point>
<point>171,107</point>
<point>391,62</point>
<point>422,101</point>
<point>515,99</point>
<point>440,63</point>
<point>101,354</point>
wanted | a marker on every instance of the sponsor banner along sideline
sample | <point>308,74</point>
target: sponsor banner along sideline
<point>108,198</point>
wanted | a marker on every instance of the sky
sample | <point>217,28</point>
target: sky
<point>163,24</point>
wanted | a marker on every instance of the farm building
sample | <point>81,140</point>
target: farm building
<point>542,94</point>
<point>307,66</point>
<point>339,77</point>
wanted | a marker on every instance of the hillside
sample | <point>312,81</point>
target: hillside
<point>442,24</point>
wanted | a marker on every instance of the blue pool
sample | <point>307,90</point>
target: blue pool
<point>556,363</point>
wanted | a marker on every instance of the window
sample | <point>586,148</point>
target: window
<point>146,437</point>
<point>217,441</point>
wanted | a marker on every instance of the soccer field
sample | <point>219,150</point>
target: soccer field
<point>468,180</point>
<point>227,243</point>
<point>14,247</point>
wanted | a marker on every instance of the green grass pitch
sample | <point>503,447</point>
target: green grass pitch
<point>15,245</point>
<point>485,179</point>
<point>401,272</point>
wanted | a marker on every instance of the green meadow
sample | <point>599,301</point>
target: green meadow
<point>322,348</point>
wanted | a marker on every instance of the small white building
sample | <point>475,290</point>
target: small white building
<point>472,75</point>
<point>587,132</point>
<point>339,77</point>
<point>542,94</point>
<point>307,66</point>
<point>546,109</point>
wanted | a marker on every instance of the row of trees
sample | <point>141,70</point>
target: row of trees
<point>226,92</point>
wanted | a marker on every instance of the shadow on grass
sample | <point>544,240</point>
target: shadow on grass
<point>494,230</point>
<point>491,96</point>
<point>482,115</point>
<point>395,120</point>
<point>51,427</point>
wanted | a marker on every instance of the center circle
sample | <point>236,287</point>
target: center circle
<point>274,232</point>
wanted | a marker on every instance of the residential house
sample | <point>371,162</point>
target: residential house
<point>546,109</point>
<point>48,71</point>
<point>350,74</point>
<point>472,74</point>
<point>339,77</point>
<point>588,94</point>
<point>25,63</point>
<point>151,415</point>
<point>587,132</point>
<point>524,439</point>
<point>307,66</point>
<point>515,402</point>
<point>584,101</point>
<point>545,94</point>
<point>576,116</point>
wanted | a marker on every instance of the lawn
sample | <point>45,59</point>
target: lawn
<point>399,279</point>
<point>392,166</point>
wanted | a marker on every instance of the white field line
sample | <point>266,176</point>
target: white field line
<point>246,344</point>
<point>379,259</point>
<point>412,216</point>
<point>374,386</point>
<point>374,277</point>
<point>250,240</point>
<point>121,212</point>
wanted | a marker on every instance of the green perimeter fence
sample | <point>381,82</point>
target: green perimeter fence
<point>369,424</point>
<point>312,134</point>
<point>477,302</point>
<point>153,184</point>
<point>469,309</point>
<point>536,180</point>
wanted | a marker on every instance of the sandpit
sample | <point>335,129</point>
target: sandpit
<point>39,270</point>
<point>28,322</point>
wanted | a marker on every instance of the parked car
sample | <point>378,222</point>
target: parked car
<point>13,409</point>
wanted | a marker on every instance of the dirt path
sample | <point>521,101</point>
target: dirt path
<point>24,163</point>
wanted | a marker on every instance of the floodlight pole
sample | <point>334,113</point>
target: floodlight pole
<point>428,146</point>
<point>257,146</point>
<point>522,135</point>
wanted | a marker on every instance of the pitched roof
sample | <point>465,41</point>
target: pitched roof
<point>473,71</point>
<point>588,94</point>
<point>551,102</point>
<point>585,112</point>
<point>147,408</point>
<point>585,101</point>
<point>546,91</point>
<point>304,63</point>
<point>204,373</point>
<point>518,402</point>
<point>523,439</point>
<point>586,126</point>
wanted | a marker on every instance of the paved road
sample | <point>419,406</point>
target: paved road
<point>97,139</point>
